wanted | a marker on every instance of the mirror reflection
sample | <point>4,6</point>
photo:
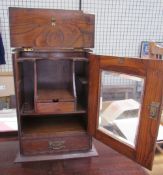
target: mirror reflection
<point>120,103</point>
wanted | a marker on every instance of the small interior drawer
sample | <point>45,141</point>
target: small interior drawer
<point>55,107</point>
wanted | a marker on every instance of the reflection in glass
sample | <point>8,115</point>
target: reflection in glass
<point>120,103</point>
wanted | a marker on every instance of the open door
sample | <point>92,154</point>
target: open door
<point>125,99</point>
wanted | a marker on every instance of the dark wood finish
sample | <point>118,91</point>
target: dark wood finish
<point>17,70</point>
<point>55,87</point>
<point>52,125</point>
<point>53,80</point>
<point>50,107</point>
<point>21,59</point>
<point>56,107</point>
<point>51,89</point>
<point>60,156</point>
<point>76,110</point>
<point>93,100</point>
<point>45,28</point>
<point>28,83</point>
<point>151,71</point>
<point>8,136</point>
<point>108,162</point>
<point>54,74</point>
<point>67,134</point>
<point>76,54</point>
<point>35,88</point>
<point>12,102</point>
<point>18,81</point>
<point>64,144</point>
<point>50,95</point>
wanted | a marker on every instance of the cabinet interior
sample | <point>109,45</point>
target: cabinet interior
<point>53,95</point>
<point>53,125</point>
<point>55,80</point>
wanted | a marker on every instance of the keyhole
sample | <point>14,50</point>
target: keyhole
<point>55,100</point>
<point>53,21</point>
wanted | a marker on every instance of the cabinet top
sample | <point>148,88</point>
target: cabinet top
<point>51,28</point>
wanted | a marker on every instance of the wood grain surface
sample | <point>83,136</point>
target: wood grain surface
<point>151,71</point>
<point>108,162</point>
<point>51,28</point>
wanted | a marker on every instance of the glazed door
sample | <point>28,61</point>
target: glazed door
<point>125,99</point>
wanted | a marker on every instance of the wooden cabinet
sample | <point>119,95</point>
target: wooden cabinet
<point>62,98</point>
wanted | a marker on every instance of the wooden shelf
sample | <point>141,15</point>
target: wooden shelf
<point>52,125</point>
<point>21,59</point>
<point>29,112</point>
<point>51,94</point>
<point>56,50</point>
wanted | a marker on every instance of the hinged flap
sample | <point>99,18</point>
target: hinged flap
<point>51,28</point>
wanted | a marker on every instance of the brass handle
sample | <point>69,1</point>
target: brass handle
<point>53,21</point>
<point>56,145</point>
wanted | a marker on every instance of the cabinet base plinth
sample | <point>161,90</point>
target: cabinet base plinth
<point>91,153</point>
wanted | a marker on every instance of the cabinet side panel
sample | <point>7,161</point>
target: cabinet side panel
<point>18,82</point>
<point>28,81</point>
<point>94,81</point>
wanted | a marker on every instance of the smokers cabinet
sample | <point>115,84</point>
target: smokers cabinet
<point>66,94</point>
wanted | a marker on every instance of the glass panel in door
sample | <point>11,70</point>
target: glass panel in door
<point>120,104</point>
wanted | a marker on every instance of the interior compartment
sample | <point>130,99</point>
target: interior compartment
<point>28,81</point>
<point>55,91</point>
<point>54,80</point>
<point>53,125</point>
<point>25,86</point>
<point>19,85</point>
<point>81,81</point>
<point>53,86</point>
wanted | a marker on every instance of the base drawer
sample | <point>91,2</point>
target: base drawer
<point>56,145</point>
<point>57,107</point>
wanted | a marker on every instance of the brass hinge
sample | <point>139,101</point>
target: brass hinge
<point>27,49</point>
<point>154,110</point>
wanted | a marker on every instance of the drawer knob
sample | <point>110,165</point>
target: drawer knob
<point>56,145</point>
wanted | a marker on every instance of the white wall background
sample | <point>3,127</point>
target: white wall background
<point>121,25</point>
